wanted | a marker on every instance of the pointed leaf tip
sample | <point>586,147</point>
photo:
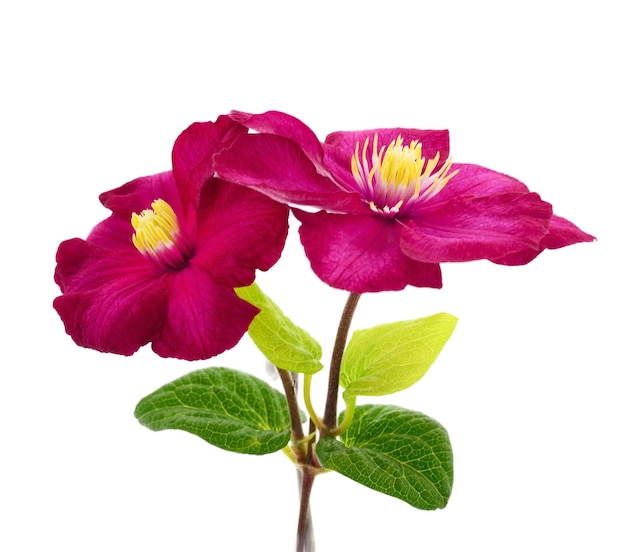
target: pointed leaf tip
<point>389,358</point>
<point>282,342</point>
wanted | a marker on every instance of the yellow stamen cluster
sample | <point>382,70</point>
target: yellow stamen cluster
<point>155,228</point>
<point>398,174</point>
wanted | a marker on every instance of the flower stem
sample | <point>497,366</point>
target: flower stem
<point>330,414</point>
<point>304,449</point>
<point>305,541</point>
<point>303,458</point>
<point>290,383</point>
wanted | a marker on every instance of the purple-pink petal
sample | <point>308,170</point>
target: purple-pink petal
<point>282,124</point>
<point>277,167</point>
<point>134,197</point>
<point>192,154</point>
<point>239,230</point>
<point>469,228</point>
<point>112,305</point>
<point>476,181</point>
<point>139,193</point>
<point>203,318</point>
<point>109,303</point>
<point>561,234</point>
<point>361,253</point>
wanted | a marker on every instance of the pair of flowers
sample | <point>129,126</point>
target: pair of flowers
<point>379,210</point>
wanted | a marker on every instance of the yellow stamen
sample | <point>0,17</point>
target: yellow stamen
<point>402,165</point>
<point>155,228</point>
<point>398,175</point>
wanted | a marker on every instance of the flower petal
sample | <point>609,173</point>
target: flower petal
<point>477,181</point>
<point>192,154</point>
<point>278,168</point>
<point>133,197</point>
<point>561,234</point>
<point>239,231</point>
<point>361,253</point>
<point>139,193</point>
<point>115,306</point>
<point>276,122</point>
<point>203,318</point>
<point>109,303</point>
<point>469,228</point>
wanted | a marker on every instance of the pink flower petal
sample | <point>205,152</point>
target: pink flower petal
<point>278,168</point>
<point>276,122</point>
<point>239,231</point>
<point>361,253</point>
<point>476,181</point>
<point>203,318</point>
<point>110,303</point>
<point>192,154</point>
<point>134,197</point>
<point>139,193</point>
<point>561,234</point>
<point>466,228</point>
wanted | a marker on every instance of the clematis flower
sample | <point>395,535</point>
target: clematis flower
<point>163,266</point>
<point>392,204</point>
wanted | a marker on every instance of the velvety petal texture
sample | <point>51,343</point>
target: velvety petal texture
<point>561,233</point>
<point>361,253</point>
<point>279,168</point>
<point>491,216</point>
<point>172,287</point>
<point>282,124</point>
<point>110,302</point>
<point>192,154</point>
<point>392,204</point>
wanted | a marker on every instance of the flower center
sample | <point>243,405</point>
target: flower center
<point>158,236</point>
<point>397,176</point>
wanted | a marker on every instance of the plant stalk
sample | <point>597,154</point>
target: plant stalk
<point>304,458</point>
<point>330,414</point>
<point>305,541</point>
<point>290,384</point>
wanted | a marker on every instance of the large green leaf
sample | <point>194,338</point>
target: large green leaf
<point>282,342</point>
<point>227,408</point>
<point>398,452</point>
<point>391,357</point>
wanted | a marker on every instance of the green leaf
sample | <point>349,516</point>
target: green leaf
<point>395,451</point>
<point>391,357</point>
<point>227,408</point>
<point>282,342</point>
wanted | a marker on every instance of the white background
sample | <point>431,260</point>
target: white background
<point>531,385</point>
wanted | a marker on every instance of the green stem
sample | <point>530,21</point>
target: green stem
<point>348,416</point>
<point>330,414</point>
<point>306,390</point>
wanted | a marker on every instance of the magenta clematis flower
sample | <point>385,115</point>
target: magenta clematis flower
<point>163,266</point>
<point>392,205</point>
